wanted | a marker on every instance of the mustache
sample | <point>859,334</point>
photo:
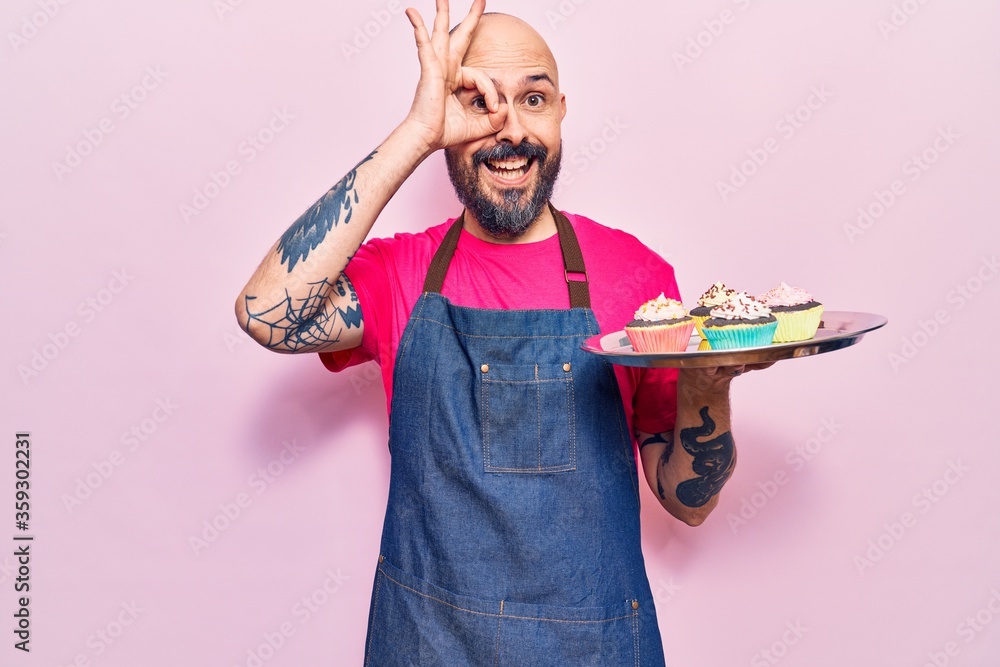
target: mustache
<point>507,151</point>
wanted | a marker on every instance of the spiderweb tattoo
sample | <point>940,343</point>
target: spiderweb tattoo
<point>309,323</point>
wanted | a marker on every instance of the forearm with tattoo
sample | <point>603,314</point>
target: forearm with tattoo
<point>714,461</point>
<point>311,228</point>
<point>307,324</point>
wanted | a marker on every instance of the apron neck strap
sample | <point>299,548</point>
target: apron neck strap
<point>579,287</point>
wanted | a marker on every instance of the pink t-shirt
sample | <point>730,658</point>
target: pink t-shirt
<point>388,275</point>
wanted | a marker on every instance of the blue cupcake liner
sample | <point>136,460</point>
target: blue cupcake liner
<point>740,335</point>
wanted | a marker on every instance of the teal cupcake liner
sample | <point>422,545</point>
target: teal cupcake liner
<point>740,335</point>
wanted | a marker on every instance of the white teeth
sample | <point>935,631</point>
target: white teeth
<point>509,165</point>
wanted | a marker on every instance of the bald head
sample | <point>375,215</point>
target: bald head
<point>502,41</point>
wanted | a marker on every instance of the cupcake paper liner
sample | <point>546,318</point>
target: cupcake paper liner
<point>794,325</point>
<point>660,338</point>
<point>699,320</point>
<point>740,335</point>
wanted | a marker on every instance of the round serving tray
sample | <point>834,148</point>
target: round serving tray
<point>839,329</point>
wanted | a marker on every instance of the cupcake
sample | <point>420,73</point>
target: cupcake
<point>660,325</point>
<point>716,295</point>
<point>742,321</point>
<point>798,314</point>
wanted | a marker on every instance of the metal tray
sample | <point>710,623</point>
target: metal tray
<point>839,329</point>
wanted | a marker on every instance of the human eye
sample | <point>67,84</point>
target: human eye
<point>535,100</point>
<point>479,103</point>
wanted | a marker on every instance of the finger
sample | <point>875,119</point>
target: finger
<point>420,34</point>
<point>440,35</point>
<point>470,77</point>
<point>462,36</point>
<point>484,125</point>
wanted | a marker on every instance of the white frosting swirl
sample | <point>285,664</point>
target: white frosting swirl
<point>740,306</point>
<point>716,295</point>
<point>783,295</point>
<point>661,308</point>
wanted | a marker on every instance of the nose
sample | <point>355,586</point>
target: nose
<point>512,131</point>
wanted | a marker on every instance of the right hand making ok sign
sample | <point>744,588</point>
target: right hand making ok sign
<point>438,117</point>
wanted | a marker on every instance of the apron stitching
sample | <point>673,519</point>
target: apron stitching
<point>564,380</point>
<point>635,635</point>
<point>496,657</point>
<point>565,467</point>
<point>571,411</point>
<point>486,423</point>
<point>371,630</point>
<point>538,411</point>
<point>408,331</point>
<point>488,614</point>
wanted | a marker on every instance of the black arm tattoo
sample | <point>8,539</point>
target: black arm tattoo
<point>665,437</point>
<point>303,325</point>
<point>658,437</point>
<point>310,229</point>
<point>714,461</point>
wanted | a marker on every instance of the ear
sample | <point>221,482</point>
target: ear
<point>562,106</point>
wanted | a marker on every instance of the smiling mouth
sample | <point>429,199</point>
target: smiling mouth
<point>512,169</point>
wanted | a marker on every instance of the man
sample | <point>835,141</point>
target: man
<point>512,528</point>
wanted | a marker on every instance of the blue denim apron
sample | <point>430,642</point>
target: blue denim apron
<point>511,533</point>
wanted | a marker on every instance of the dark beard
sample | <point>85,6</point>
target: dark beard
<point>520,207</point>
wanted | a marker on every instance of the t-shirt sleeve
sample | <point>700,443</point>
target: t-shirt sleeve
<point>654,403</point>
<point>367,273</point>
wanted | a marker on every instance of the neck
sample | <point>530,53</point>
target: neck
<point>540,229</point>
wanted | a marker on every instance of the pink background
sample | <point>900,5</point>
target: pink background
<point>659,134</point>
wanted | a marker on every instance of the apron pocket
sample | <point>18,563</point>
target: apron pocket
<point>529,418</point>
<point>607,639</point>
<point>415,622</point>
